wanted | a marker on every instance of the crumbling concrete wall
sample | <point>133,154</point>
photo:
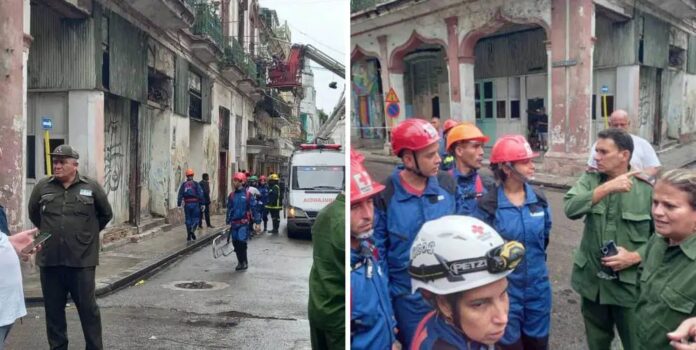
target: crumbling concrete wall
<point>12,111</point>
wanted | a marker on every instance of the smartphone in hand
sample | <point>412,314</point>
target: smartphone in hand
<point>38,240</point>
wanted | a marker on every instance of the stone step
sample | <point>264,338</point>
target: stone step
<point>151,223</point>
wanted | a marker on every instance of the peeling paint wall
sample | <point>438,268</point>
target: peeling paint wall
<point>12,118</point>
<point>160,161</point>
<point>688,121</point>
<point>117,155</point>
<point>179,150</point>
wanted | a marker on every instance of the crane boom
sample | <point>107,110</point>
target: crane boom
<point>325,60</point>
<point>288,75</point>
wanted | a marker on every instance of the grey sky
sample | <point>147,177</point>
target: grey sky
<point>323,24</point>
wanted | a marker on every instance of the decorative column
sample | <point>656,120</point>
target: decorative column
<point>453,68</point>
<point>13,44</point>
<point>571,92</point>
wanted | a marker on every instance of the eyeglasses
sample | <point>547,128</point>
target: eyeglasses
<point>497,260</point>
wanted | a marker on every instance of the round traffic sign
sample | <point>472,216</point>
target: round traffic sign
<point>393,110</point>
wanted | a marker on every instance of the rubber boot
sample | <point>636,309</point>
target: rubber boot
<point>265,226</point>
<point>276,225</point>
<point>243,255</point>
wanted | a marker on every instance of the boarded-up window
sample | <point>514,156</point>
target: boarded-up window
<point>655,42</point>
<point>181,101</point>
<point>691,55</point>
<point>127,59</point>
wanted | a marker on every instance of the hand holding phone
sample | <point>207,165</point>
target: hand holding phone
<point>38,240</point>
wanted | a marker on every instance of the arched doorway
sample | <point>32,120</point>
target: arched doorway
<point>367,117</point>
<point>510,87</point>
<point>426,82</point>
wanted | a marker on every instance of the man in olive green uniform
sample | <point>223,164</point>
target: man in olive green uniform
<point>73,209</point>
<point>616,205</point>
<point>326,280</point>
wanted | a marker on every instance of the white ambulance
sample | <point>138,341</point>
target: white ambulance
<point>317,176</point>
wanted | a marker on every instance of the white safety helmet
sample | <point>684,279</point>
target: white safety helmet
<point>457,253</point>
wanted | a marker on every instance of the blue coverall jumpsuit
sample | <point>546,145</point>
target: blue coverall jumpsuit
<point>529,288</point>
<point>394,232</point>
<point>470,188</point>
<point>239,206</point>
<point>372,319</point>
<point>264,199</point>
<point>192,206</point>
<point>434,333</point>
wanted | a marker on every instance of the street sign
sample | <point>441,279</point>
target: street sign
<point>391,96</point>
<point>604,89</point>
<point>393,110</point>
<point>46,123</point>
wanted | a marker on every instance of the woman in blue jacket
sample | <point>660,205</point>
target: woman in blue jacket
<point>519,212</point>
<point>459,265</point>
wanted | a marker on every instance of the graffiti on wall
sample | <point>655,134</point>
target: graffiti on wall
<point>113,154</point>
<point>368,107</point>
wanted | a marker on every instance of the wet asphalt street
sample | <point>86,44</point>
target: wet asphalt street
<point>264,307</point>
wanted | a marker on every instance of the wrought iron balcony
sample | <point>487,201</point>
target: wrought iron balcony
<point>242,61</point>
<point>207,21</point>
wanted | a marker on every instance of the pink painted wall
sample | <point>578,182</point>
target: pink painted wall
<point>12,121</point>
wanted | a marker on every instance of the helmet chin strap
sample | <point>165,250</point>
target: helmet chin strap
<point>417,170</point>
<point>517,173</point>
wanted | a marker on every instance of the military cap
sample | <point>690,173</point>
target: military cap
<point>65,151</point>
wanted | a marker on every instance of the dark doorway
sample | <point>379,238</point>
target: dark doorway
<point>222,180</point>
<point>436,106</point>
<point>134,179</point>
<point>657,118</point>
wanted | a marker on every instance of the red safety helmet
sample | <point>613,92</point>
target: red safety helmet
<point>189,172</point>
<point>239,176</point>
<point>511,148</point>
<point>449,124</point>
<point>262,178</point>
<point>361,184</point>
<point>413,134</point>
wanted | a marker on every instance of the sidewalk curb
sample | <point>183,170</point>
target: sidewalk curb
<point>143,270</point>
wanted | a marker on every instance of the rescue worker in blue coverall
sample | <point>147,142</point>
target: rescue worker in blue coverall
<point>252,182</point>
<point>372,322</point>
<point>415,192</point>
<point>239,206</point>
<point>465,142</point>
<point>521,213</point>
<point>459,264</point>
<point>263,188</point>
<point>447,157</point>
<point>191,193</point>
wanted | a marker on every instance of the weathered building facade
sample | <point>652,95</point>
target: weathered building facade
<point>494,62</point>
<point>144,90</point>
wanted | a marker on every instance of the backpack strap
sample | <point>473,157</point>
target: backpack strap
<point>489,202</point>
<point>384,197</point>
<point>541,196</point>
<point>446,181</point>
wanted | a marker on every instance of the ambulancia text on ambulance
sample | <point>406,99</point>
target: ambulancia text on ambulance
<point>317,176</point>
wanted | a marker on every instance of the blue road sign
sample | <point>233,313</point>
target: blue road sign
<point>46,123</point>
<point>393,110</point>
<point>605,89</point>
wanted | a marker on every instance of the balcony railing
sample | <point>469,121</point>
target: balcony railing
<point>207,21</point>
<point>359,5</point>
<point>235,55</point>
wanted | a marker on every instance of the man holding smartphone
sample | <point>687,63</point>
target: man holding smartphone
<point>11,291</point>
<point>73,209</point>
<point>616,206</point>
